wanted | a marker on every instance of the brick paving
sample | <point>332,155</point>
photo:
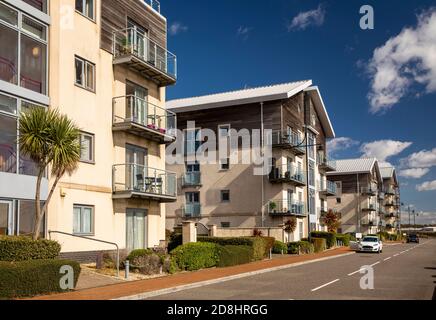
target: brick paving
<point>137,287</point>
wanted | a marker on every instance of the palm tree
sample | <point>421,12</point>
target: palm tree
<point>49,139</point>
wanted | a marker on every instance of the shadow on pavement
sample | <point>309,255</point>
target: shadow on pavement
<point>434,294</point>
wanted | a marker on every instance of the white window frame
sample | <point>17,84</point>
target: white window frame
<point>92,151</point>
<point>84,14</point>
<point>85,64</point>
<point>92,222</point>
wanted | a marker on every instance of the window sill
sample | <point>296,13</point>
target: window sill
<point>87,162</point>
<point>86,17</point>
<point>84,234</point>
<point>84,88</point>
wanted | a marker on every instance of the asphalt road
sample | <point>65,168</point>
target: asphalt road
<point>401,272</point>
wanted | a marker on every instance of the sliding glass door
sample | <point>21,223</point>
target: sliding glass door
<point>6,222</point>
<point>136,229</point>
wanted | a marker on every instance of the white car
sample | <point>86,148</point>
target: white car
<point>370,244</point>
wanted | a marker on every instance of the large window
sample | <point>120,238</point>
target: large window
<point>85,74</point>
<point>192,141</point>
<point>83,220</point>
<point>86,8</point>
<point>23,49</point>
<point>87,147</point>
<point>26,218</point>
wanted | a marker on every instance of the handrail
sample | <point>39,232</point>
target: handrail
<point>91,239</point>
<point>146,101</point>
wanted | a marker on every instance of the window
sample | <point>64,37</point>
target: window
<point>8,144</point>
<point>85,8</point>
<point>301,229</point>
<point>225,164</point>
<point>26,218</point>
<point>224,130</point>
<point>225,224</point>
<point>87,147</point>
<point>8,15</point>
<point>8,104</point>
<point>33,64</point>
<point>85,74</point>
<point>225,196</point>
<point>312,173</point>
<point>38,4</point>
<point>83,220</point>
<point>338,200</point>
<point>192,141</point>
<point>311,145</point>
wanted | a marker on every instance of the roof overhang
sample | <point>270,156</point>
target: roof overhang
<point>322,111</point>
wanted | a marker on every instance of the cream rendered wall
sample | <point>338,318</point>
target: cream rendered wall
<point>91,184</point>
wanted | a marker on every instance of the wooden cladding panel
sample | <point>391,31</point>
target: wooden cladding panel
<point>114,15</point>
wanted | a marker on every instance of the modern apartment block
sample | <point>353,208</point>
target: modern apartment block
<point>106,65</point>
<point>230,195</point>
<point>390,205</point>
<point>359,187</point>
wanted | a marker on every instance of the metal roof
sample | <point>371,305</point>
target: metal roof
<point>362,165</point>
<point>253,95</point>
<point>387,172</point>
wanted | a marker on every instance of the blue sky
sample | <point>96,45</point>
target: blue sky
<point>381,102</point>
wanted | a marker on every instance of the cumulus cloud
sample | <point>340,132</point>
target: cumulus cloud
<point>176,28</point>
<point>309,18</point>
<point>414,173</point>
<point>384,149</point>
<point>339,144</point>
<point>427,186</point>
<point>403,61</point>
<point>422,159</point>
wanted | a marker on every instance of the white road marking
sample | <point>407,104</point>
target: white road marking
<point>396,255</point>
<point>325,285</point>
<point>352,274</point>
<point>387,259</point>
<point>374,264</point>
<point>402,252</point>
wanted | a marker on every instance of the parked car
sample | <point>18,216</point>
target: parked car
<point>370,244</point>
<point>412,238</point>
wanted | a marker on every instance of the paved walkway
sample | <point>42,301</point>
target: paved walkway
<point>138,287</point>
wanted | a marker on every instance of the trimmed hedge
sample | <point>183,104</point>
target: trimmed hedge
<point>329,236</point>
<point>261,245</point>
<point>14,248</point>
<point>196,256</point>
<point>319,244</point>
<point>139,253</point>
<point>280,247</point>
<point>344,238</point>
<point>33,277</point>
<point>301,247</point>
<point>234,255</point>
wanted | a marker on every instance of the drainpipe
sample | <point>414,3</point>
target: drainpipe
<point>358,204</point>
<point>262,151</point>
<point>306,136</point>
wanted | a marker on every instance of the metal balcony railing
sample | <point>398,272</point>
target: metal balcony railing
<point>328,187</point>
<point>371,189</point>
<point>143,181</point>
<point>191,179</point>
<point>192,210</point>
<point>325,162</point>
<point>286,208</point>
<point>134,110</point>
<point>369,207</point>
<point>154,4</point>
<point>291,140</point>
<point>287,173</point>
<point>131,42</point>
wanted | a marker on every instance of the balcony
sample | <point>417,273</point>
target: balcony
<point>381,196</point>
<point>139,117</point>
<point>191,180</point>
<point>154,4</point>
<point>137,181</point>
<point>392,203</point>
<point>290,141</point>
<point>286,208</point>
<point>192,210</point>
<point>370,190</point>
<point>369,207</point>
<point>325,164</point>
<point>136,51</point>
<point>327,189</point>
<point>288,174</point>
<point>390,191</point>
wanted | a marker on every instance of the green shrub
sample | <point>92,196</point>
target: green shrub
<point>319,244</point>
<point>329,236</point>
<point>261,245</point>
<point>344,238</point>
<point>33,277</point>
<point>24,248</point>
<point>280,247</point>
<point>234,255</point>
<point>176,240</point>
<point>139,253</point>
<point>301,247</point>
<point>196,256</point>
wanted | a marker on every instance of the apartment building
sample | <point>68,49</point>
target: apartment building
<point>390,205</point>
<point>359,188</point>
<point>229,194</point>
<point>108,69</point>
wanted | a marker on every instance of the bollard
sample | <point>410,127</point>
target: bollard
<point>270,254</point>
<point>127,265</point>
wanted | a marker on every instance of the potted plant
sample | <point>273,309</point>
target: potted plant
<point>273,207</point>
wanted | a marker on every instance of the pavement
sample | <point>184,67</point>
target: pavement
<point>401,272</point>
<point>182,281</point>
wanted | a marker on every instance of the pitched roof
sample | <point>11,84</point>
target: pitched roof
<point>362,165</point>
<point>253,95</point>
<point>387,172</point>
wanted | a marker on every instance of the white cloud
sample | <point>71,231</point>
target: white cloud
<point>309,18</point>
<point>427,186</point>
<point>339,144</point>
<point>244,32</point>
<point>422,159</point>
<point>404,60</point>
<point>384,149</point>
<point>177,27</point>
<point>414,173</point>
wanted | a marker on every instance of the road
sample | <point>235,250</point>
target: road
<point>401,272</point>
